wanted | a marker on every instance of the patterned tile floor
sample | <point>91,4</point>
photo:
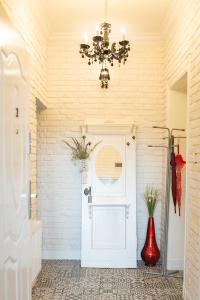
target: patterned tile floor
<point>66,280</point>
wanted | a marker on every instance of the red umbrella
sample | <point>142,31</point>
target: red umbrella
<point>180,162</point>
<point>173,178</point>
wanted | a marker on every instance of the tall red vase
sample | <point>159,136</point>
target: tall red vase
<point>150,253</point>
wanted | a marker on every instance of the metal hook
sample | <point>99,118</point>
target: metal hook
<point>177,129</point>
<point>195,159</point>
<point>180,137</point>
<point>157,146</point>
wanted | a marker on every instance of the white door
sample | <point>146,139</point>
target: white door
<point>15,280</point>
<point>109,204</point>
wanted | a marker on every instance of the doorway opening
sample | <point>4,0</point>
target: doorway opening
<point>177,118</point>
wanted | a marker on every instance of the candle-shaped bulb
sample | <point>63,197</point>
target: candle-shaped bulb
<point>85,38</point>
<point>122,33</point>
<point>98,29</point>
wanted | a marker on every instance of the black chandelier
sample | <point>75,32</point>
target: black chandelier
<point>101,51</point>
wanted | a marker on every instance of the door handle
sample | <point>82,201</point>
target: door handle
<point>87,191</point>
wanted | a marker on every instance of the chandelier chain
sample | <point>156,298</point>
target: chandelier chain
<point>106,10</point>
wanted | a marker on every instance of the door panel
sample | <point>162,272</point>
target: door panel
<point>109,223</point>
<point>15,275</point>
<point>109,213</point>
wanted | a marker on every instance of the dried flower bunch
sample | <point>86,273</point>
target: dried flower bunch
<point>151,196</point>
<point>80,149</point>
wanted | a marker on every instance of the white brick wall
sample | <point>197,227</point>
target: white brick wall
<point>136,91</point>
<point>29,19</point>
<point>183,54</point>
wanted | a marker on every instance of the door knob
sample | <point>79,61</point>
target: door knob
<point>87,191</point>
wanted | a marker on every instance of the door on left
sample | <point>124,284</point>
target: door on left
<point>15,279</point>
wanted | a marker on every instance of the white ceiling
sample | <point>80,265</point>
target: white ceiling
<point>144,16</point>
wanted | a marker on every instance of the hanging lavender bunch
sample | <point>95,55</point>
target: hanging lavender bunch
<point>80,149</point>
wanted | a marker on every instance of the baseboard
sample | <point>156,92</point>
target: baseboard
<point>175,264</point>
<point>35,279</point>
<point>65,254</point>
<point>185,294</point>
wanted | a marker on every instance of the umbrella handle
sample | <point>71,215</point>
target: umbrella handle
<point>178,148</point>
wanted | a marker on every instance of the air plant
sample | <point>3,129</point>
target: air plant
<point>80,149</point>
<point>151,197</point>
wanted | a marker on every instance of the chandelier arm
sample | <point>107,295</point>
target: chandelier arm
<point>89,55</point>
<point>116,56</point>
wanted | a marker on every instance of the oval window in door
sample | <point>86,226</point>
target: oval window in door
<point>108,165</point>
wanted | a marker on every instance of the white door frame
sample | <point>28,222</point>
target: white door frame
<point>126,207</point>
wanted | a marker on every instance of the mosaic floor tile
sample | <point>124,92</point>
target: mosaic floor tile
<point>66,280</point>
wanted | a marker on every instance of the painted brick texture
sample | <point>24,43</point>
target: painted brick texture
<point>136,91</point>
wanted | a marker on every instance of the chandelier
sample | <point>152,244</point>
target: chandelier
<point>103,52</point>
